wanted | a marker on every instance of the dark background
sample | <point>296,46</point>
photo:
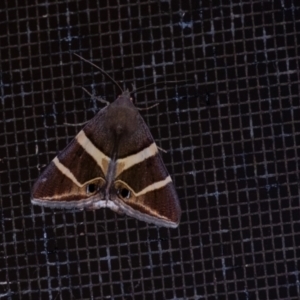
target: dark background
<point>231,131</point>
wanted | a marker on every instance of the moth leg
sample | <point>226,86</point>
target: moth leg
<point>148,107</point>
<point>76,124</point>
<point>162,150</point>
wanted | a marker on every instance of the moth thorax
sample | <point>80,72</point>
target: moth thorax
<point>119,129</point>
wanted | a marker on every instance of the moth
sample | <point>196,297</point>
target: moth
<point>112,162</point>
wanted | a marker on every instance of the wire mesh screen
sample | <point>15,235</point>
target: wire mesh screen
<point>229,121</point>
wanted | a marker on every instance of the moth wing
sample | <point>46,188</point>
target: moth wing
<point>72,179</point>
<point>143,189</point>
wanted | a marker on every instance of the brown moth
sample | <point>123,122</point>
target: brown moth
<point>112,162</point>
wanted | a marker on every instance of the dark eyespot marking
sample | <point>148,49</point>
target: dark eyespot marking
<point>91,188</point>
<point>124,193</point>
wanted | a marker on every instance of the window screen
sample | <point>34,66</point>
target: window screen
<point>226,77</point>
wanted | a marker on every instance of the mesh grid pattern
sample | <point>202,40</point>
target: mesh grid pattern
<point>232,133</point>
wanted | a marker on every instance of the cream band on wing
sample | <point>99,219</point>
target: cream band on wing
<point>65,171</point>
<point>154,186</point>
<point>70,175</point>
<point>131,160</point>
<point>101,159</point>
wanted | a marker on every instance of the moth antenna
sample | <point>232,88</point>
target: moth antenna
<point>148,107</point>
<point>101,70</point>
<point>94,97</point>
<point>155,83</point>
